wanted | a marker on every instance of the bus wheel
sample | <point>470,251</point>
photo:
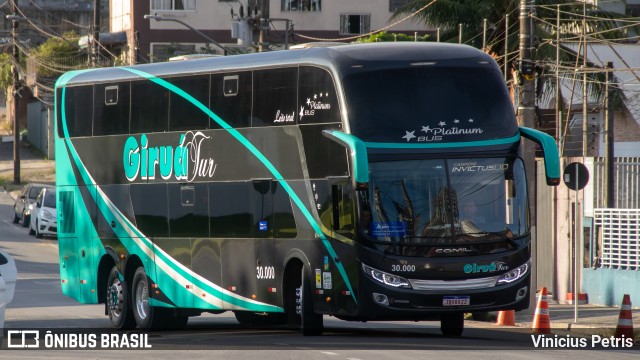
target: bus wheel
<point>452,324</point>
<point>147,317</point>
<point>117,302</point>
<point>310,322</point>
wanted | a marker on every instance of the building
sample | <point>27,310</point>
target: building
<point>236,24</point>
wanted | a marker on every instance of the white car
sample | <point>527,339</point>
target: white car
<point>8,276</point>
<point>43,215</point>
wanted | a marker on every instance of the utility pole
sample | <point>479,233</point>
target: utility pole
<point>460,34</point>
<point>558,92</point>
<point>609,138</point>
<point>506,46</point>
<point>585,96</point>
<point>16,94</point>
<point>96,33</point>
<point>526,117</point>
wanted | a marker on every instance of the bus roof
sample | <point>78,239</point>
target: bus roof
<point>341,58</point>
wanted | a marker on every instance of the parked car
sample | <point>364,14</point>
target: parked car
<point>8,276</point>
<point>43,214</point>
<point>25,202</point>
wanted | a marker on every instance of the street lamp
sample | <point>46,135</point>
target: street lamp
<point>160,18</point>
<point>16,95</point>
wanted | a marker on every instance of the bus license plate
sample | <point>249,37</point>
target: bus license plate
<point>456,300</point>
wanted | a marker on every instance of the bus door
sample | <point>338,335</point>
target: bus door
<point>343,227</point>
<point>76,212</point>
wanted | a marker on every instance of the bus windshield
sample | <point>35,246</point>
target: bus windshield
<point>446,201</point>
<point>424,105</point>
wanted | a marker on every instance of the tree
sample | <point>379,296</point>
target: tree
<point>383,36</point>
<point>58,55</point>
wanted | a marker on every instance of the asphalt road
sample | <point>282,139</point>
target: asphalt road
<point>39,304</point>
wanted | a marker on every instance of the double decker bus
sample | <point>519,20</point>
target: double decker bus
<point>367,182</point>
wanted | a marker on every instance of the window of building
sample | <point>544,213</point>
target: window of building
<point>170,5</point>
<point>301,5</point>
<point>354,24</point>
<point>394,5</point>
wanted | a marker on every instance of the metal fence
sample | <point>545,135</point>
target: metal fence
<point>627,184</point>
<point>618,238</point>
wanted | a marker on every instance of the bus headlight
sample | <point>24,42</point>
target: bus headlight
<point>386,278</point>
<point>513,275</point>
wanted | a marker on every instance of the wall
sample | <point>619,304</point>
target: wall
<point>607,286</point>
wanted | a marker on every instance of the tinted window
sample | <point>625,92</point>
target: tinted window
<point>188,210</point>
<point>121,199</point>
<point>241,209</point>
<point>318,99</point>
<point>111,109</point>
<point>149,107</point>
<point>34,191</point>
<point>50,199</point>
<point>78,104</point>
<point>235,110</point>
<point>184,115</point>
<point>274,97</point>
<point>151,207</point>
<point>429,104</point>
<point>284,224</point>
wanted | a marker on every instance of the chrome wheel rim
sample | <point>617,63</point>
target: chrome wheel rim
<point>142,299</point>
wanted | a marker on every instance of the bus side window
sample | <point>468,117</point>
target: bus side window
<point>78,114</point>
<point>274,97</point>
<point>188,210</point>
<point>318,98</point>
<point>343,209</point>
<point>184,115</point>
<point>111,109</point>
<point>151,110</point>
<point>151,208</point>
<point>231,98</point>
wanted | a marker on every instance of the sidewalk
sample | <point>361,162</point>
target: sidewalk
<point>592,320</point>
<point>33,167</point>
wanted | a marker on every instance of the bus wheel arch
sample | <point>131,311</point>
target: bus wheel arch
<point>298,301</point>
<point>102,277</point>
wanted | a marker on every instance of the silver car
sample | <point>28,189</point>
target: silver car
<point>43,215</point>
<point>25,202</point>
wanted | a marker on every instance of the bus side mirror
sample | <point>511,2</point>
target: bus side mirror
<point>550,150</point>
<point>357,152</point>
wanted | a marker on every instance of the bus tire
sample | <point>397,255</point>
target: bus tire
<point>310,322</point>
<point>147,317</point>
<point>118,303</point>
<point>452,324</point>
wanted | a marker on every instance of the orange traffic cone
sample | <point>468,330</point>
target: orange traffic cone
<point>625,323</point>
<point>506,318</point>
<point>541,323</point>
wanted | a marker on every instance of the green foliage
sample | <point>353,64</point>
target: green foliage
<point>383,36</point>
<point>5,72</point>
<point>56,55</point>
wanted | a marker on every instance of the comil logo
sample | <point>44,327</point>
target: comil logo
<point>23,339</point>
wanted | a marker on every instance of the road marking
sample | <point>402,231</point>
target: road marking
<point>329,353</point>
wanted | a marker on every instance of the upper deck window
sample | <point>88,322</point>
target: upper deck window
<point>429,104</point>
